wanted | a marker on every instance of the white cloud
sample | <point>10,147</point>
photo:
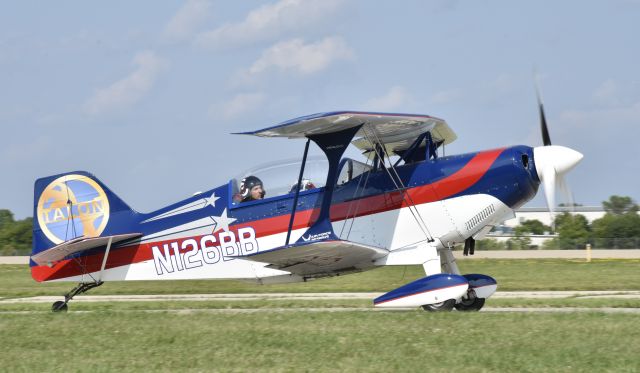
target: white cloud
<point>396,98</point>
<point>296,56</point>
<point>130,89</point>
<point>270,21</point>
<point>187,20</point>
<point>607,93</point>
<point>503,84</point>
<point>445,97</point>
<point>33,149</point>
<point>619,121</point>
<point>240,104</point>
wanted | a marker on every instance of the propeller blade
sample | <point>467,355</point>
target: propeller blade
<point>546,140</point>
<point>566,191</point>
<point>549,182</point>
<point>552,163</point>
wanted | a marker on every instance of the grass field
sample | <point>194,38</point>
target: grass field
<point>523,274</point>
<point>320,341</point>
<point>284,335</point>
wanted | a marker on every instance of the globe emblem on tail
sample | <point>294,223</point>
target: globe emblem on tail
<point>72,206</point>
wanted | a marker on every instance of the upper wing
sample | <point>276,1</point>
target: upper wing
<point>65,249</point>
<point>320,257</point>
<point>394,131</point>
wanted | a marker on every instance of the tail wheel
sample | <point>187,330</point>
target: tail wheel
<point>445,306</point>
<point>470,304</point>
<point>59,306</point>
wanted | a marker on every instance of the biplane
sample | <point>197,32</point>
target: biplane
<point>404,203</point>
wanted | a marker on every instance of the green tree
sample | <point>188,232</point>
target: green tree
<point>533,226</point>
<point>570,204</point>
<point>620,205</point>
<point>519,242</point>
<point>490,244</point>
<point>573,231</point>
<point>6,218</point>
<point>620,226</point>
<point>15,236</point>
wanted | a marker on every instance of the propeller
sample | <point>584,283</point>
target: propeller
<point>553,162</point>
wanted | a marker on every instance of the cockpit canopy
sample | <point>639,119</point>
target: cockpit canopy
<point>279,178</point>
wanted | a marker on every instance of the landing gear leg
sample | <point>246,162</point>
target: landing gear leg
<point>83,287</point>
<point>61,306</point>
<point>448,261</point>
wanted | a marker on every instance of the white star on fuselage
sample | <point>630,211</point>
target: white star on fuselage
<point>192,206</point>
<point>211,200</point>
<point>222,221</point>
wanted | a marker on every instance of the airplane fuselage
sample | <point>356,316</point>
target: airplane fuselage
<point>456,197</point>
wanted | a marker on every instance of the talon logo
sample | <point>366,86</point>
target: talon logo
<point>72,206</point>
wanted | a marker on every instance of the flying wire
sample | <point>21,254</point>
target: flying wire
<point>69,213</point>
<point>411,204</point>
<point>357,204</point>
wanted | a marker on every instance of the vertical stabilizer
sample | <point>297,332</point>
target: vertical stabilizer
<point>72,205</point>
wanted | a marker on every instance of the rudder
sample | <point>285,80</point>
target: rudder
<point>75,204</point>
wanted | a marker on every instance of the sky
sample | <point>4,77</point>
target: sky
<point>145,94</point>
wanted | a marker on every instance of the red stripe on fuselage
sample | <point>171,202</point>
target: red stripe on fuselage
<point>453,184</point>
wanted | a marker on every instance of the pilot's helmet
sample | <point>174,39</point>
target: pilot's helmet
<point>247,184</point>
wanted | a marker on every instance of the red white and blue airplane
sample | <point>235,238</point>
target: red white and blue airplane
<point>403,205</point>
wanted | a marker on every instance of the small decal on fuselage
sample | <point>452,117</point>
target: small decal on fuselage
<point>317,237</point>
<point>207,250</point>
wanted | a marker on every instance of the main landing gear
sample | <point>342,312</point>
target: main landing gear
<point>470,303</point>
<point>443,288</point>
<point>480,286</point>
<point>466,304</point>
<point>61,306</point>
<point>445,306</point>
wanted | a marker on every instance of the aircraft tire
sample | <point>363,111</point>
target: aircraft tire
<point>470,305</point>
<point>59,306</point>
<point>445,306</point>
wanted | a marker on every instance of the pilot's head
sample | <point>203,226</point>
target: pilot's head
<point>251,189</point>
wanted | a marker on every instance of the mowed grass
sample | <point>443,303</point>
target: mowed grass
<point>292,304</point>
<point>524,274</point>
<point>319,341</point>
<point>283,335</point>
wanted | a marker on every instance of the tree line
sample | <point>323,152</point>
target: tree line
<point>619,228</point>
<point>15,235</point>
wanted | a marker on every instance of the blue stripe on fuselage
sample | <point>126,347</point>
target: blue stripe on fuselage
<point>507,179</point>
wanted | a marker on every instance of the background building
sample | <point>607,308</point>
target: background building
<point>505,231</point>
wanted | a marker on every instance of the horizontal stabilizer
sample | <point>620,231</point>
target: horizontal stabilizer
<point>76,245</point>
<point>320,257</point>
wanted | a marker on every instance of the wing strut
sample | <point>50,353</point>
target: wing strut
<point>295,198</point>
<point>333,145</point>
<point>104,260</point>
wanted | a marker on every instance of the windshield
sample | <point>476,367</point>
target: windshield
<point>280,177</point>
<point>350,170</point>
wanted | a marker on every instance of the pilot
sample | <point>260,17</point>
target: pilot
<point>251,189</point>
